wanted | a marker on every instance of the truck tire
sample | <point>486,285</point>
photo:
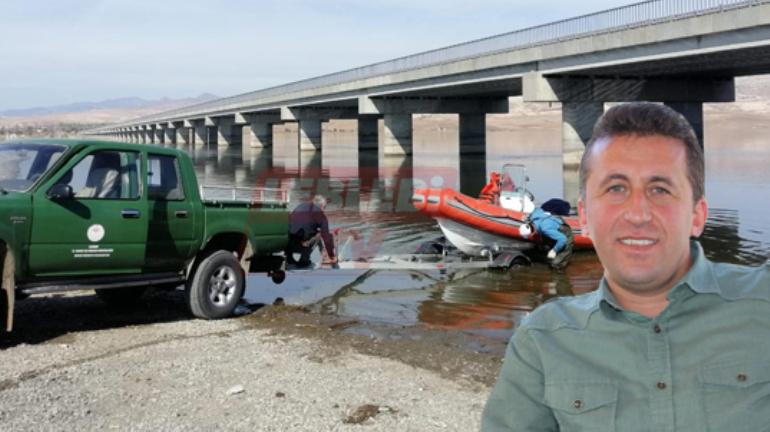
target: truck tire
<point>216,287</point>
<point>125,297</point>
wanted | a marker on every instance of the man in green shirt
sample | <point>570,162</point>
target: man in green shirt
<point>670,341</point>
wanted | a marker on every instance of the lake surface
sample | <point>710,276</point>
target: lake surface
<point>370,194</point>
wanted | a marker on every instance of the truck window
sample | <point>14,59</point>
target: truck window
<point>23,163</point>
<point>163,178</point>
<point>105,175</point>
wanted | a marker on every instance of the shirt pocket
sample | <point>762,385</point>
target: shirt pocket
<point>736,396</point>
<point>583,406</point>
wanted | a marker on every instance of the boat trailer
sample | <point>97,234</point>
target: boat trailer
<point>438,262</point>
<point>436,255</point>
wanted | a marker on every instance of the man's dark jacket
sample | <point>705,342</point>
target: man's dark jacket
<point>308,219</point>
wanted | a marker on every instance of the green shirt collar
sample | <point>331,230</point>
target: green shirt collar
<point>699,279</point>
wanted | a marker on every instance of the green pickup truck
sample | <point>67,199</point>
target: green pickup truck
<point>118,218</point>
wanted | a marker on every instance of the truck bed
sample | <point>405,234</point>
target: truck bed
<point>228,196</point>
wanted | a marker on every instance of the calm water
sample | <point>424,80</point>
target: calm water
<point>370,194</point>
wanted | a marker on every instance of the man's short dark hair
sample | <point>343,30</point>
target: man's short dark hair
<point>646,119</point>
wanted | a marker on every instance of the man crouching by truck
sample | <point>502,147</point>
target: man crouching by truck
<point>308,225</point>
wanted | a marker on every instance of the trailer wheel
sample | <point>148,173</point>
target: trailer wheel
<point>520,261</point>
<point>127,296</point>
<point>217,286</point>
<point>278,276</point>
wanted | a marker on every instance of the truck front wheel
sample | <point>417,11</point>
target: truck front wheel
<point>216,287</point>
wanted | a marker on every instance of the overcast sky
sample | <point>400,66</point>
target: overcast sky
<point>58,52</point>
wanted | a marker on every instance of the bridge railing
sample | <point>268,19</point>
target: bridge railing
<point>620,18</point>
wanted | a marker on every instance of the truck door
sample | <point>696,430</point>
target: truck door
<point>99,226</point>
<point>173,219</point>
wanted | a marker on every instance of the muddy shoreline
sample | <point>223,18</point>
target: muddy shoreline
<point>76,363</point>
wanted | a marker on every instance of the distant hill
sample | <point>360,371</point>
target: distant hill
<point>68,120</point>
<point>111,104</point>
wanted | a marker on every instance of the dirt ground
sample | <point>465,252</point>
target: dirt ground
<point>74,363</point>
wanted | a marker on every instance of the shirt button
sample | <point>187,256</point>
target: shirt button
<point>661,385</point>
<point>657,329</point>
<point>742,377</point>
<point>577,404</point>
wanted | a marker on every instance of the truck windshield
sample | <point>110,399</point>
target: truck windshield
<point>23,163</point>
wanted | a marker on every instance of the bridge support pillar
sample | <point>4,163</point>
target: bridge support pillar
<point>578,119</point>
<point>473,133</point>
<point>309,121</point>
<point>397,136</point>
<point>170,135</point>
<point>224,127</point>
<point>309,131</point>
<point>693,112</point>
<point>397,114</point>
<point>473,158</point>
<point>201,135</point>
<point>473,168</point>
<point>367,133</point>
<point>258,133</point>
<point>182,136</point>
<point>146,135</point>
<point>160,135</point>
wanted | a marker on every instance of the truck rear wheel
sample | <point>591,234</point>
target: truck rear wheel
<point>217,286</point>
<point>127,296</point>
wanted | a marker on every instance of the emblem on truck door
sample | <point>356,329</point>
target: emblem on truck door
<point>95,233</point>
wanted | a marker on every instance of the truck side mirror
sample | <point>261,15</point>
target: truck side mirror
<point>60,191</point>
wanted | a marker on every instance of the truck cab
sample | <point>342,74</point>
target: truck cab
<point>119,217</point>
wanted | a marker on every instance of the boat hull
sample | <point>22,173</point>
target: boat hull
<point>473,225</point>
<point>474,242</point>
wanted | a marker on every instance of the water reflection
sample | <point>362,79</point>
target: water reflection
<point>722,242</point>
<point>369,193</point>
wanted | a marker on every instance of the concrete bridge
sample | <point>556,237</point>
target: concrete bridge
<point>679,52</point>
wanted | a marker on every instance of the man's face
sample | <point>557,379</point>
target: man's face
<point>639,211</point>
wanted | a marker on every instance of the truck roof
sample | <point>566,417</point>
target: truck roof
<point>80,142</point>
